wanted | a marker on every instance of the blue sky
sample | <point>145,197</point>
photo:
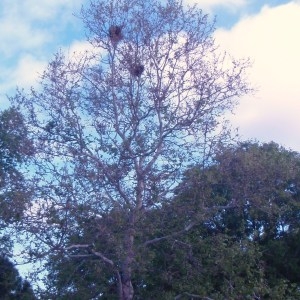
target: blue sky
<point>31,31</point>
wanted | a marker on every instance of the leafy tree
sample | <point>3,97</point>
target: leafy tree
<point>255,240</point>
<point>220,257</point>
<point>114,129</point>
<point>12,286</point>
<point>15,150</point>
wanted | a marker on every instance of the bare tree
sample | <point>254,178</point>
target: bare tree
<point>115,128</point>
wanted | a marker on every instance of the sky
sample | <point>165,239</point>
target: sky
<point>267,32</point>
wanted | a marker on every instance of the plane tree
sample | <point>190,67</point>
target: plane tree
<point>115,127</point>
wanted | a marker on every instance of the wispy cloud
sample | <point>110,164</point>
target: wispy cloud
<point>29,24</point>
<point>210,4</point>
<point>28,71</point>
<point>30,32</point>
<point>270,38</point>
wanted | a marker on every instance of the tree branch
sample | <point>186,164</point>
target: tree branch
<point>76,246</point>
<point>155,240</point>
<point>188,227</point>
<point>104,258</point>
<point>93,252</point>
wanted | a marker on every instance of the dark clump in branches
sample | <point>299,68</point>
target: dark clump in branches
<point>137,70</point>
<point>115,34</point>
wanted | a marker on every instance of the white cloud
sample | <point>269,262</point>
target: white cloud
<point>19,36</point>
<point>48,9</point>
<point>38,10</point>
<point>79,48</point>
<point>29,68</point>
<point>25,74</point>
<point>270,39</point>
<point>28,71</point>
<point>30,32</point>
<point>210,4</point>
<point>29,24</point>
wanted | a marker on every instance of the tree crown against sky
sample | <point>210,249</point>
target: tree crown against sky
<point>15,150</point>
<point>114,128</point>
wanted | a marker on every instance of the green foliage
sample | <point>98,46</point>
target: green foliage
<point>258,186</point>
<point>15,146</point>
<point>12,287</point>
<point>15,149</point>
<point>79,279</point>
<point>244,243</point>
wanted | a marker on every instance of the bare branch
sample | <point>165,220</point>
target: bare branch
<point>94,253</point>
<point>78,246</point>
<point>155,240</point>
<point>104,258</point>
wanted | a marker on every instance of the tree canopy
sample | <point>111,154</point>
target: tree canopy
<point>15,149</point>
<point>245,250</point>
<point>12,286</point>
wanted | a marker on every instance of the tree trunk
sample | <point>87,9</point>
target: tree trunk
<point>126,275</point>
<point>127,290</point>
